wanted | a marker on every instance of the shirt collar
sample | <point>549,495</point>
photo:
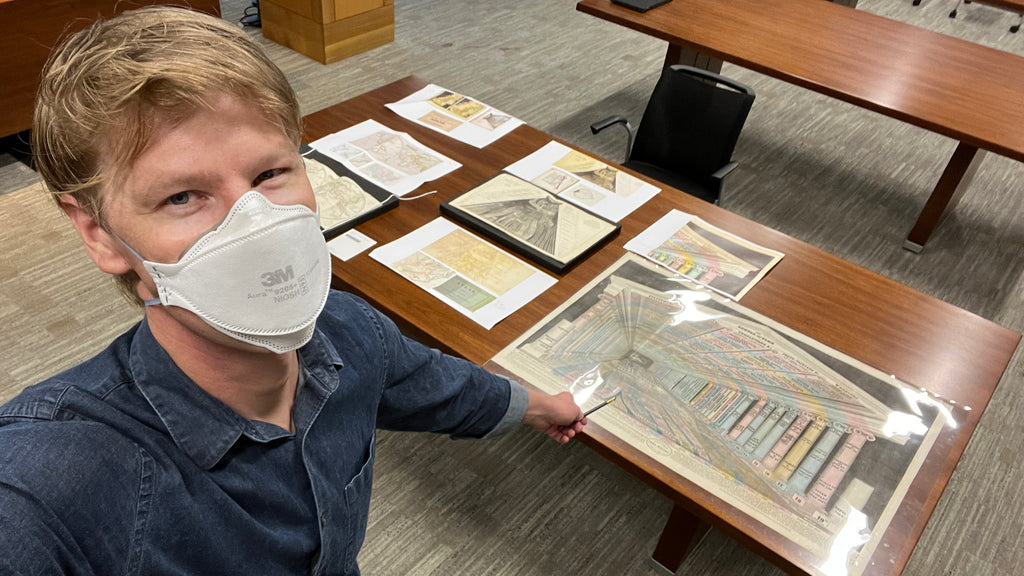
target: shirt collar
<point>202,426</point>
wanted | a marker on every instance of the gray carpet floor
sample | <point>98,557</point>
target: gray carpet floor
<point>844,179</point>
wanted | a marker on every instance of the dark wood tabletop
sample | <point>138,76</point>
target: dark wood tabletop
<point>968,92</point>
<point>919,339</point>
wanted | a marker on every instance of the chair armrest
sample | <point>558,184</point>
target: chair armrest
<point>611,121</point>
<point>724,171</point>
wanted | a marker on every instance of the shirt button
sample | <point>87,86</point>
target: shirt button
<point>323,520</point>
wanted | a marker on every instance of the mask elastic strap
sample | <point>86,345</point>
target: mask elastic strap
<point>130,249</point>
<point>151,301</point>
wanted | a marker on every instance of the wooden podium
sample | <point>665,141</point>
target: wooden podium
<point>328,30</point>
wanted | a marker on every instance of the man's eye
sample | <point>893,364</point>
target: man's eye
<point>266,175</point>
<point>179,199</point>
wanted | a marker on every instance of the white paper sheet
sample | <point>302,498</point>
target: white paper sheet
<point>392,160</point>
<point>350,244</point>
<point>584,181</point>
<point>478,279</point>
<point>463,118</point>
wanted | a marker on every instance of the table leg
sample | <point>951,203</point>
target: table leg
<point>678,55</point>
<point>680,535</point>
<point>955,178</point>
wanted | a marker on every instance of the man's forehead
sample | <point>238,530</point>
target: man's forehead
<point>131,143</point>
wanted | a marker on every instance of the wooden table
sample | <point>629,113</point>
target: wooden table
<point>923,341</point>
<point>965,91</point>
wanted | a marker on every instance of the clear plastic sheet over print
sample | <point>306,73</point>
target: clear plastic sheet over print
<point>813,444</point>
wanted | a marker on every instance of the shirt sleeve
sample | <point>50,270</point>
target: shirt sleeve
<point>59,482</point>
<point>425,390</point>
<point>517,404</point>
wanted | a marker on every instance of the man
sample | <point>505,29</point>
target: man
<point>232,430</point>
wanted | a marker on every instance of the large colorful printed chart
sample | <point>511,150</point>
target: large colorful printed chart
<point>811,443</point>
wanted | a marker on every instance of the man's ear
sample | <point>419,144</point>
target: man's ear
<point>104,249</point>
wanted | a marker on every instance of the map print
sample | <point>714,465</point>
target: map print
<point>391,150</point>
<point>476,278</point>
<point>789,432</point>
<point>485,264</point>
<point>338,199</point>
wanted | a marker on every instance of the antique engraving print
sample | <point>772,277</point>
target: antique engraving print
<point>813,444</point>
<point>533,217</point>
<point>717,259</point>
<point>586,181</point>
<point>461,117</point>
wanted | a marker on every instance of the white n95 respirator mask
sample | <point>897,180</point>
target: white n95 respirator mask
<point>261,275</point>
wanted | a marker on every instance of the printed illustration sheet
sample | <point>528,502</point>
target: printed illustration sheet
<point>813,444</point>
<point>339,199</point>
<point>586,181</point>
<point>392,160</point>
<point>532,220</point>
<point>463,118</point>
<point>464,271</point>
<point>717,259</point>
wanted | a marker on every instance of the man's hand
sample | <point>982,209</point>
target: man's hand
<point>557,416</point>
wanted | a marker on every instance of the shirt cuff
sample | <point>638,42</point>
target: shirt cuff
<point>518,400</point>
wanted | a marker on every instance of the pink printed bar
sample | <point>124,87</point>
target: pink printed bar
<point>711,399</point>
<point>829,480</point>
<point>747,419</point>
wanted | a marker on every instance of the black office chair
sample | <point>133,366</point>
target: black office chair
<point>689,130</point>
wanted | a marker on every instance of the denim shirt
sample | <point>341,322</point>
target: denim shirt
<point>122,465</point>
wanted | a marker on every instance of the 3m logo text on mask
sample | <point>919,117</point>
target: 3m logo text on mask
<point>279,276</point>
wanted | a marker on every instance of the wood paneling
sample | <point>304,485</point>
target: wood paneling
<point>346,8</point>
<point>28,31</point>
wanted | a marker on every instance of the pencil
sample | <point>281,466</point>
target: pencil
<point>599,406</point>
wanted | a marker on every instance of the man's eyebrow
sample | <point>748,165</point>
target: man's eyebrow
<point>174,183</point>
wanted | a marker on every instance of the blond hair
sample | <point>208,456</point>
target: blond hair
<point>107,87</point>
